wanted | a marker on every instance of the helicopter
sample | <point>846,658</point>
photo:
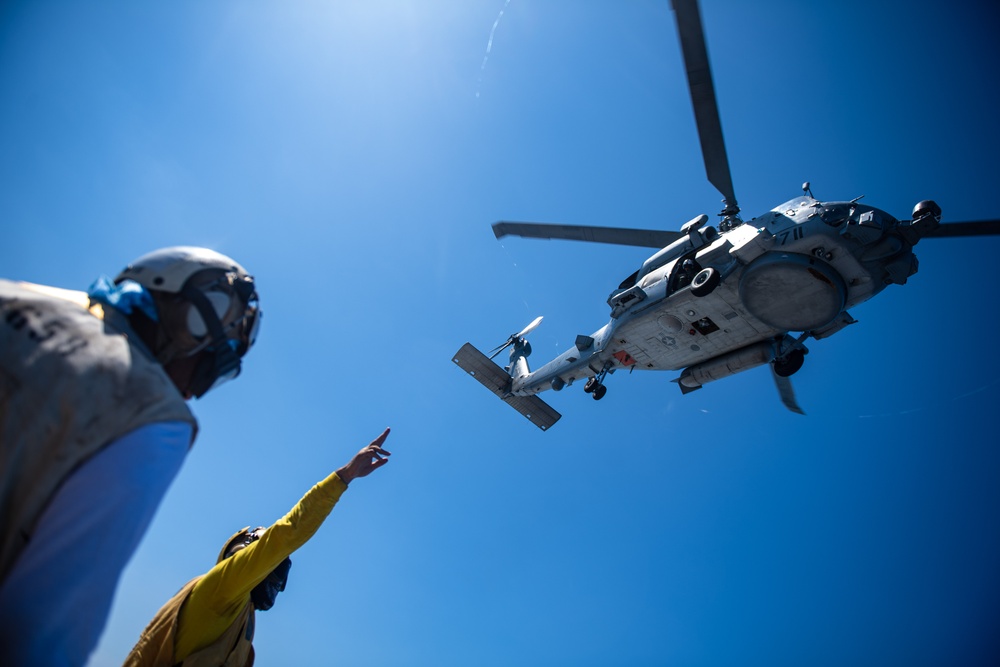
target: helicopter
<point>716,300</point>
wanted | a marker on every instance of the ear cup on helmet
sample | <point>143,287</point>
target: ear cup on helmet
<point>220,302</point>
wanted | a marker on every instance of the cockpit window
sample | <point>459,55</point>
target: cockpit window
<point>630,281</point>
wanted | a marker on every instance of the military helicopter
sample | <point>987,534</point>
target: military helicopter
<point>714,301</point>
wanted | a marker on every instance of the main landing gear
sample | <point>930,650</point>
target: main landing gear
<point>595,385</point>
<point>705,281</point>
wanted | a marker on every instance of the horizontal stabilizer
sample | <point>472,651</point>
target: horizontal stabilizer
<point>494,378</point>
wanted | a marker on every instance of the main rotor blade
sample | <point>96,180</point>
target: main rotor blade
<point>977,228</point>
<point>706,109</point>
<point>646,238</point>
<point>786,392</point>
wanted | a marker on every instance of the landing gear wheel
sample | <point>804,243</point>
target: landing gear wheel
<point>599,392</point>
<point>591,385</point>
<point>790,364</point>
<point>705,281</point>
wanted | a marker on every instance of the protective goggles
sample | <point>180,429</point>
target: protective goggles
<point>249,324</point>
<point>222,361</point>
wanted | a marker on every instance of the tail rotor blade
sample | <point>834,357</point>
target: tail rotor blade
<point>531,327</point>
<point>500,348</point>
<point>515,337</point>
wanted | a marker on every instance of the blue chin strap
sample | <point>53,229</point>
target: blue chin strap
<point>125,297</point>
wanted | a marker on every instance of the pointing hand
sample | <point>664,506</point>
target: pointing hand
<point>366,460</point>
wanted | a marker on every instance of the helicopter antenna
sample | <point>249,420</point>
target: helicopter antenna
<point>808,190</point>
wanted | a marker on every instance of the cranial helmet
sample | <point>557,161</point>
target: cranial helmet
<point>241,538</point>
<point>207,305</point>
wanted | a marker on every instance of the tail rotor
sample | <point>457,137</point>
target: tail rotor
<point>514,338</point>
<point>502,383</point>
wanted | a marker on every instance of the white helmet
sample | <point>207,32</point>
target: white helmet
<point>206,302</point>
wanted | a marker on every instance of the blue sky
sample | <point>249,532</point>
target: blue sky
<point>352,156</point>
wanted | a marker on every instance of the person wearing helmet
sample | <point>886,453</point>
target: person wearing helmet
<point>94,426</point>
<point>211,620</point>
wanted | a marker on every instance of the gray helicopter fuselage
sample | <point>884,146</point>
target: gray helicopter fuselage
<point>796,268</point>
<point>713,302</point>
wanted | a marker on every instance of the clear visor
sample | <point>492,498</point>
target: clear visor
<point>229,367</point>
<point>249,324</point>
<point>242,331</point>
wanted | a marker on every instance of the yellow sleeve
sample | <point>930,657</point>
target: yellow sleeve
<point>218,598</point>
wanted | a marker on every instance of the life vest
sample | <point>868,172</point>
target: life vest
<point>71,382</point>
<point>155,648</point>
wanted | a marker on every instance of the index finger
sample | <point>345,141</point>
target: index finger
<point>377,442</point>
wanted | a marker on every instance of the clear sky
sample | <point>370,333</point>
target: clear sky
<point>352,156</point>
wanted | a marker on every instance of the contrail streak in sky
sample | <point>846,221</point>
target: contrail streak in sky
<point>489,45</point>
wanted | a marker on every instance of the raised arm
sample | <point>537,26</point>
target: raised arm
<point>365,461</point>
<point>221,594</point>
